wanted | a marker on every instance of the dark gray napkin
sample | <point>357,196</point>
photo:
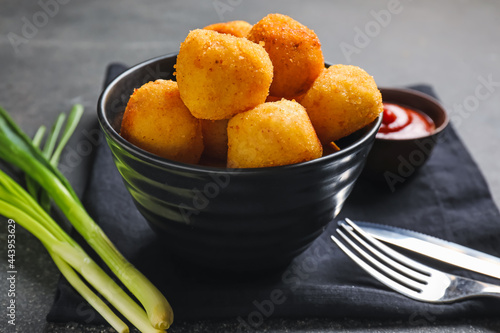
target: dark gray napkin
<point>447,198</point>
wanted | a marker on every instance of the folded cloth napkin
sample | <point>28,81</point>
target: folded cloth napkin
<point>447,198</point>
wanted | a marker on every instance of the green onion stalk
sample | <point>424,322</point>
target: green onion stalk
<point>18,149</point>
<point>70,258</point>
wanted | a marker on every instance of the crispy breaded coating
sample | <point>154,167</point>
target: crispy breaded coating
<point>157,121</point>
<point>220,75</point>
<point>342,100</point>
<point>295,52</point>
<point>272,134</point>
<point>215,138</point>
<point>235,28</point>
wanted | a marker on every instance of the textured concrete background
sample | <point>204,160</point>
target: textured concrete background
<point>52,56</point>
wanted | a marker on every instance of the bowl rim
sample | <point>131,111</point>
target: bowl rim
<point>424,96</point>
<point>163,162</point>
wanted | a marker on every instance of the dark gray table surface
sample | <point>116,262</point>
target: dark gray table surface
<point>53,54</point>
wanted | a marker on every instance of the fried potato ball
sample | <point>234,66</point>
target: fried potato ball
<point>295,52</point>
<point>215,138</point>
<point>272,134</point>
<point>157,121</point>
<point>235,28</point>
<point>221,75</point>
<point>342,100</point>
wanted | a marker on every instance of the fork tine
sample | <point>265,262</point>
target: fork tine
<point>373,272</point>
<point>389,271</point>
<point>415,274</point>
<point>390,252</point>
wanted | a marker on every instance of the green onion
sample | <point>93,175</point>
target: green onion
<point>72,258</point>
<point>32,186</point>
<point>73,119</point>
<point>48,150</point>
<point>89,295</point>
<point>17,149</point>
<point>54,133</point>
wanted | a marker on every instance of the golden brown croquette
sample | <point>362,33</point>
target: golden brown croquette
<point>272,134</point>
<point>342,100</point>
<point>157,121</point>
<point>295,52</point>
<point>220,75</point>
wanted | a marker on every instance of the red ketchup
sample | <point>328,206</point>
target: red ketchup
<point>400,122</point>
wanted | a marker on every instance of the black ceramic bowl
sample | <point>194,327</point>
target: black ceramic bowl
<point>241,219</point>
<point>393,161</point>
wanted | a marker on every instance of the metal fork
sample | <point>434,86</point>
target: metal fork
<point>405,275</point>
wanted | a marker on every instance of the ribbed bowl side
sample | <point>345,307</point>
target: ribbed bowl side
<point>239,221</point>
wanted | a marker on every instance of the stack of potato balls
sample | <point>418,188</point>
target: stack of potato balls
<point>250,96</point>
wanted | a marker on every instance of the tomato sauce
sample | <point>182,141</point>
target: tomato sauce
<point>400,122</point>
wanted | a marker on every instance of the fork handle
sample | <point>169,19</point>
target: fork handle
<point>467,288</point>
